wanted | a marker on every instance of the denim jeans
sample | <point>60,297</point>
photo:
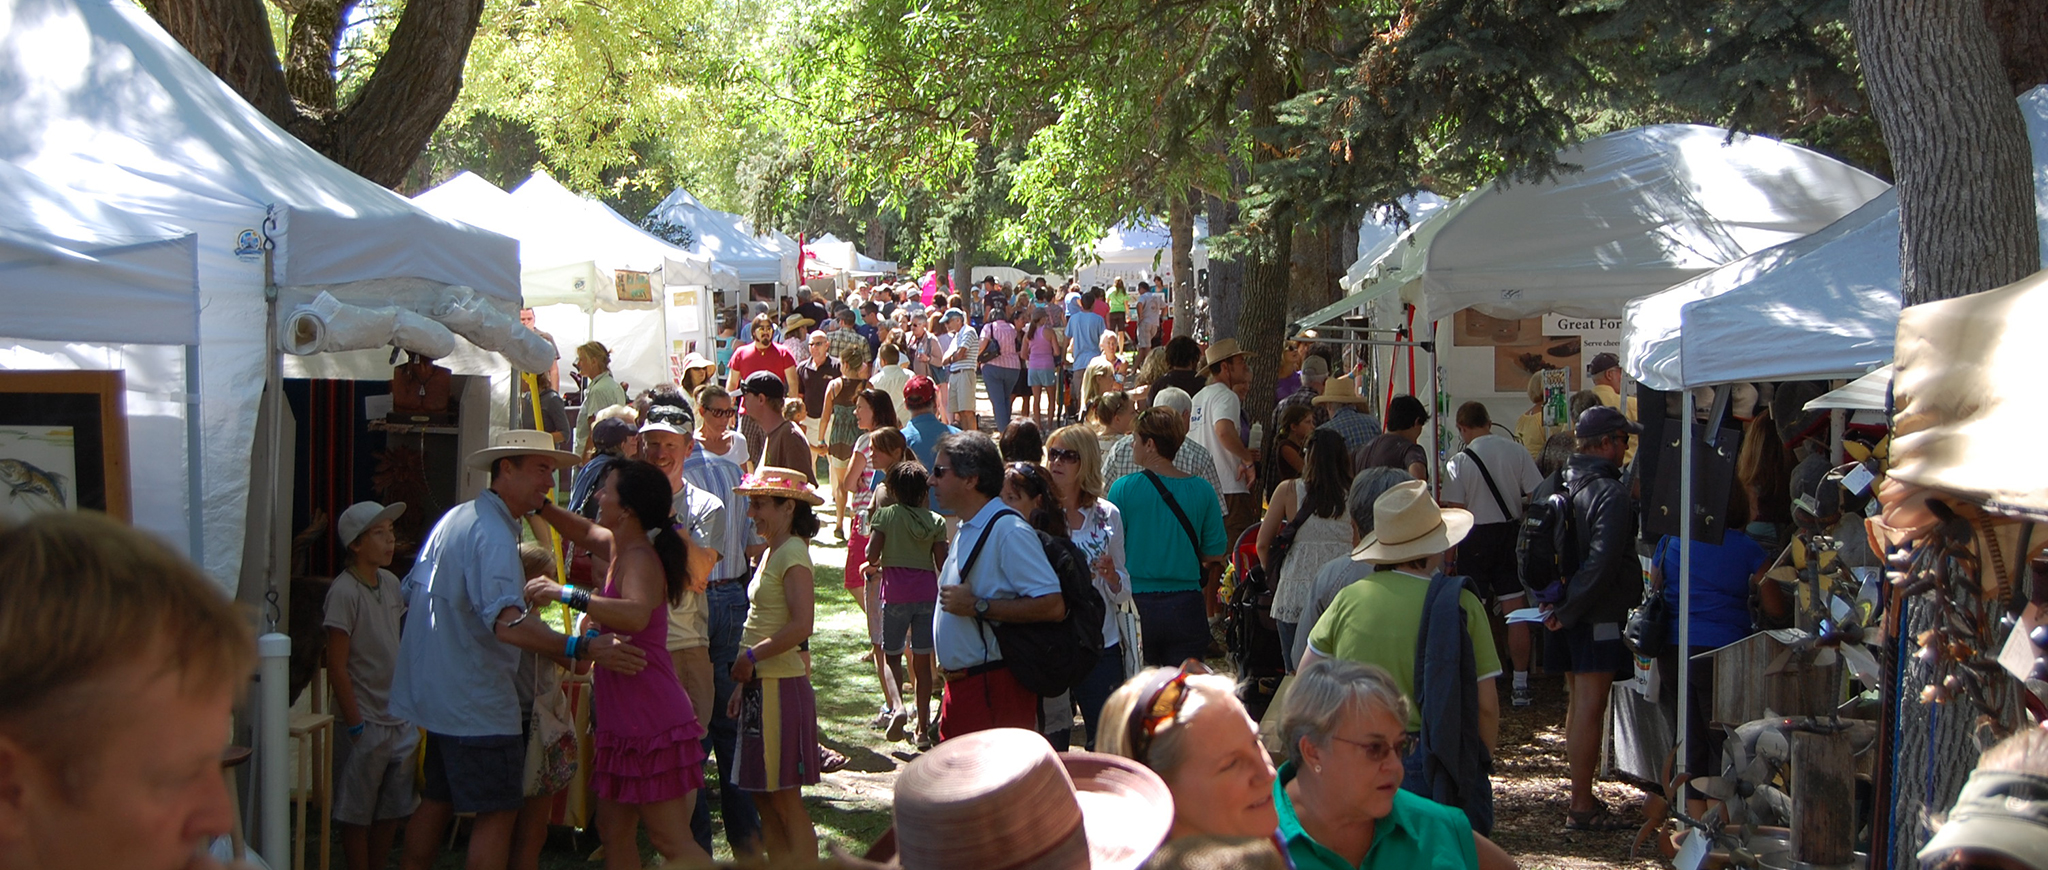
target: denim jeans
<point>1002,391</point>
<point>726,609</point>
<point>1095,689</point>
<point>1287,630</point>
<point>1176,627</point>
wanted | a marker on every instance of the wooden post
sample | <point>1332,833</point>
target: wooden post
<point>1823,799</point>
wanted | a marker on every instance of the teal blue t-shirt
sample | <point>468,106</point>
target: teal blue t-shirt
<point>1418,834</point>
<point>1159,556</point>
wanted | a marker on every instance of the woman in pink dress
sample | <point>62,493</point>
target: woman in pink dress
<point>649,756</point>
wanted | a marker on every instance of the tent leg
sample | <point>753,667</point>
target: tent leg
<point>194,489</point>
<point>1685,483</point>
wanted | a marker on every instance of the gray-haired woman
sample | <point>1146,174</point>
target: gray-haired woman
<point>1339,794</point>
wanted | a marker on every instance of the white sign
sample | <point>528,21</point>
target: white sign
<point>1555,324</point>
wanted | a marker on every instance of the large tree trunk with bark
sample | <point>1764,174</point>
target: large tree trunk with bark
<point>1958,146</point>
<point>1316,266</point>
<point>963,270</point>
<point>1180,228</point>
<point>382,131</point>
<point>2021,28</point>
<point>1226,275</point>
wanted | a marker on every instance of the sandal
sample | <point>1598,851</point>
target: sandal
<point>896,725</point>
<point>830,761</point>
<point>1598,819</point>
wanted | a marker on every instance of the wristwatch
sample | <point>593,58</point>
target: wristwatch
<point>980,607</point>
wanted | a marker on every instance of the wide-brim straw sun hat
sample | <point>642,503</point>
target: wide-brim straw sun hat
<point>780,482</point>
<point>694,360</point>
<point>1407,525</point>
<point>1343,390</point>
<point>1001,799</point>
<point>1222,349</point>
<point>520,442</point>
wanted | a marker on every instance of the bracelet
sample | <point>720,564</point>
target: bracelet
<point>750,657</point>
<point>569,647</point>
<point>576,599</point>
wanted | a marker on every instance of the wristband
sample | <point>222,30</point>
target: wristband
<point>569,649</point>
<point>356,730</point>
<point>750,657</point>
<point>576,599</point>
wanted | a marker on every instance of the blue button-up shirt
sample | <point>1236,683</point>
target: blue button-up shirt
<point>1012,565</point>
<point>454,676</point>
<point>1358,429</point>
<point>718,476</point>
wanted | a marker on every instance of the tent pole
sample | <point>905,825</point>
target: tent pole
<point>272,765</point>
<point>1685,482</point>
<point>195,492</point>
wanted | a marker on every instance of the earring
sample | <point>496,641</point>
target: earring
<point>1319,768</point>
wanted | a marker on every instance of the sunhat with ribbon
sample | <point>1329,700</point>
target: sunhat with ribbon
<point>1343,390</point>
<point>520,442</point>
<point>1001,799</point>
<point>1407,525</point>
<point>780,482</point>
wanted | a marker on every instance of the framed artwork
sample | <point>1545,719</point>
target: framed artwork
<point>634,286</point>
<point>63,443</point>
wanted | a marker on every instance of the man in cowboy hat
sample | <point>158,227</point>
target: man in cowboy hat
<point>1378,619</point>
<point>459,656</point>
<point>1215,423</point>
<point>1347,414</point>
<point>1585,627</point>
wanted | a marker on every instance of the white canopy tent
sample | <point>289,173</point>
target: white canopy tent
<point>726,238</point>
<point>1645,209</point>
<point>74,269</point>
<point>835,255</point>
<point>96,97</point>
<point>1140,249</point>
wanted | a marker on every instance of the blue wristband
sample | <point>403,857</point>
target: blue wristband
<point>569,649</point>
<point>356,730</point>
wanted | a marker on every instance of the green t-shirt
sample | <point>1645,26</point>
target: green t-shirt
<point>1118,299</point>
<point>1160,558</point>
<point>1378,619</point>
<point>1418,834</point>
<point>908,534</point>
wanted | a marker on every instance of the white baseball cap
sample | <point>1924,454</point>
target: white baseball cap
<point>362,515</point>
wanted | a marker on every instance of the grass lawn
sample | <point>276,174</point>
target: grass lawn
<point>850,807</point>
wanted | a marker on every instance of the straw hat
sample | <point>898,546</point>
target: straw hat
<point>1221,350</point>
<point>362,515</point>
<point>1001,799</point>
<point>694,360</point>
<point>520,442</point>
<point>1343,390</point>
<point>783,482</point>
<point>1407,525</point>
<point>797,321</point>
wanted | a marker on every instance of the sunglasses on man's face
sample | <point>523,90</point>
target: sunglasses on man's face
<point>940,471</point>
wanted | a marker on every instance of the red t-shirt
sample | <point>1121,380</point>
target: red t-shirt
<point>754,358</point>
<point>1102,308</point>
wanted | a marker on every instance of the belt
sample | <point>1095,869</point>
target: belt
<point>977,670</point>
<point>727,581</point>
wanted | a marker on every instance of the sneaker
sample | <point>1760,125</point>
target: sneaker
<point>1519,696</point>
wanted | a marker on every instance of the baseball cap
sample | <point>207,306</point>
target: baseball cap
<point>610,432</point>
<point>362,515</point>
<point>765,384</point>
<point>2001,811</point>
<point>669,418</point>
<point>1601,420</point>
<point>1602,362</point>
<point>1315,367</point>
<point>920,391</point>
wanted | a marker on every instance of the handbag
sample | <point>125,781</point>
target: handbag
<point>551,742</point>
<point>1132,636</point>
<point>1283,541</point>
<point>1646,629</point>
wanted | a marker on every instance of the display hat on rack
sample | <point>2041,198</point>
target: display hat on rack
<point>1341,390</point>
<point>362,515</point>
<point>781,483</point>
<point>520,442</point>
<point>1222,349</point>
<point>1003,798</point>
<point>1407,525</point>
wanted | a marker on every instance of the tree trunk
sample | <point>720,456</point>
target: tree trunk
<point>878,238</point>
<point>2021,28</point>
<point>1180,226</point>
<point>963,270</point>
<point>1958,145</point>
<point>1226,275</point>
<point>384,129</point>
<point>1315,269</point>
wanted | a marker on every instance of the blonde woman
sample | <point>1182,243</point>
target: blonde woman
<point>1187,725</point>
<point>1073,458</point>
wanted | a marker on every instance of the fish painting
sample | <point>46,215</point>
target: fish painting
<point>38,490</point>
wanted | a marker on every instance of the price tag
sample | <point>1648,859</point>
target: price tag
<point>1691,852</point>
<point>1858,480</point>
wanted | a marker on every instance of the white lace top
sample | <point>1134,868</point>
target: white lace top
<point>1319,540</point>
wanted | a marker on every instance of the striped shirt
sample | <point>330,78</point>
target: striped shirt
<point>719,476</point>
<point>1358,429</point>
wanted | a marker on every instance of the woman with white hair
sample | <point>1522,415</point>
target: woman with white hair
<point>1338,795</point>
<point>1187,725</point>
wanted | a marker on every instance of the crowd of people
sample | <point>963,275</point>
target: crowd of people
<point>1054,587</point>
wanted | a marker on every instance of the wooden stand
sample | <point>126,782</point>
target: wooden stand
<point>1823,799</point>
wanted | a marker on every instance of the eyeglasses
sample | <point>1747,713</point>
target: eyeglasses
<point>718,412</point>
<point>1161,705</point>
<point>1377,751</point>
<point>939,471</point>
<point>1056,454</point>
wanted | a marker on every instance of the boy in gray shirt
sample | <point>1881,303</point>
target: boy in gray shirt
<point>373,786</point>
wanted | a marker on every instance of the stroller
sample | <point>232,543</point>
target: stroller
<point>1252,641</point>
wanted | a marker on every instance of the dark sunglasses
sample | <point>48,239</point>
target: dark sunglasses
<point>1056,454</point>
<point>718,412</point>
<point>1162,705</point>
<point>939,471</point>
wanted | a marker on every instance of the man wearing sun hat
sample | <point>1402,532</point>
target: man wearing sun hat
<point>1004,798</point>
<point>1215,423</point>
<point>1348,415</point>
<point>1378,619</point>
<point>458,659</point>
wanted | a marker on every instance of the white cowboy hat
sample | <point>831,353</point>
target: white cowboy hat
<point>520,442</point>
<point>1003,798</point>
<point>1341,390</point>
<point>1407,525</point>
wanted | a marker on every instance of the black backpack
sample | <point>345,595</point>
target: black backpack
<point>1546,545</point>
<point>1050,658</point>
